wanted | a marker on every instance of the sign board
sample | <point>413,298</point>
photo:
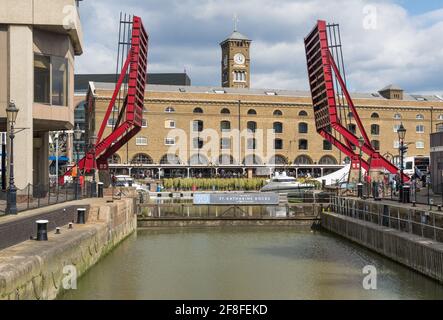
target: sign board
<point>265,198</point>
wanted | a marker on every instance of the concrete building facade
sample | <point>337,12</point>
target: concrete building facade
<point>39,40</point>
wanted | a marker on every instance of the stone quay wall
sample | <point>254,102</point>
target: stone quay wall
<point>421,254</point>
<point>39,269</point>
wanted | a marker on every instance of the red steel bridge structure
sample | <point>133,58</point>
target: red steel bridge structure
<point>132,81</point>
<point>334,110</point>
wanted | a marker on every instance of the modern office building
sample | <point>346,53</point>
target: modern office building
<point>39,40</point>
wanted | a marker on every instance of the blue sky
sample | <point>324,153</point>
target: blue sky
<point>418,7</point>
<point>403,47</point>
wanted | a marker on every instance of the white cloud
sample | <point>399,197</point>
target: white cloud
<point>403,49</point>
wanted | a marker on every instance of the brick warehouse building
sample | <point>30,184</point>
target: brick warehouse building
<point>288,114</point>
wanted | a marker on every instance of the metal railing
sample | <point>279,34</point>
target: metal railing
<point>298,205</point>
<point>37,196</point>
<point>426,224</point>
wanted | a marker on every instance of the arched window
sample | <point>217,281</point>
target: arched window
<point>225,159</point>
<point>302,113</point>
<point>197,110</point>
<point>169,110</point>
<point>170,159</point>
<point>225,126</point>
<point>278,159</point>
<point>375,144</point>
<point>327,145</point>
<point>302,144</point>
<point>278,127</point>
<point>302,127</point>
<point>278,144</point>
<point>375,129</point>
<point>141,158</point>
<point>225,111</point>
<point>303,159</point>
<point>252,159</point>
<point>278,113</point>
<point>397,116</point>
<point>327,160</point>
<point>197,125</point>
<point>419,117</point>
<point>375,115</point>
<point>198,159</point>
<point>252,112</point>
<point>114,159</point>
<point>252,126</point>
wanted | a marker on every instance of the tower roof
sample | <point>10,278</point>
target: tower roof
<point>391,87</point>
<point>235,35</point>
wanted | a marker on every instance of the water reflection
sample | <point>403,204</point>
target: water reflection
<point>245,263</point>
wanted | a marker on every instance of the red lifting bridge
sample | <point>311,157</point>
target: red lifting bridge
<point>334,110</point>
<point>133,50</point>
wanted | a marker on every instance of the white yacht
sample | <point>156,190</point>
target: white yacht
<point>281,182</point>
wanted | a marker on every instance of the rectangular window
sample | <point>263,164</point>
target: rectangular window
<point>144,123</point>
<point>59,81</point>
<point>169,124</point>
<point>251,144</point>
<point>327,145</point>
<point>197,143</point>
<point>396,127</point>
<point>396,144</point>
<point>169,141</point>
<point>225,143</point>
<point>51,80</point>
<point>111,122</point>
<point>278,144</point>
<point>42,78</point>
<point>420,128</point>
<point>141,141</point>
<point>420,145</point>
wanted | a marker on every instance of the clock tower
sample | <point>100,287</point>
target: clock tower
<point>235,69</point>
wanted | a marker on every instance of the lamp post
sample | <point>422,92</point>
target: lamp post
<point>401,136</point>
<point>11,205</point>
<point>361,143</point>
<point>93,140</point>
<point>77,137</point>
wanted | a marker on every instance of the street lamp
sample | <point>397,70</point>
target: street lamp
<point>11,205</point>
<point>93,141</point>
<point>77,137</point>
<point>401,136</point>
<point>361,143</point>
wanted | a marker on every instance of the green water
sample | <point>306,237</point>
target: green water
<point>246,263</point>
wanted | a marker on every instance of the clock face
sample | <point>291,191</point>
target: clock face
<point>239,58</point>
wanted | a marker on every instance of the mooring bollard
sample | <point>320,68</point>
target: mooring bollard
<point>413,203</point>
<point>57,230</point>
<point>81,212</point>
<point>70,225</point>
<point>42,230</point>
<point>439,207</point>
<point>100,189</point>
